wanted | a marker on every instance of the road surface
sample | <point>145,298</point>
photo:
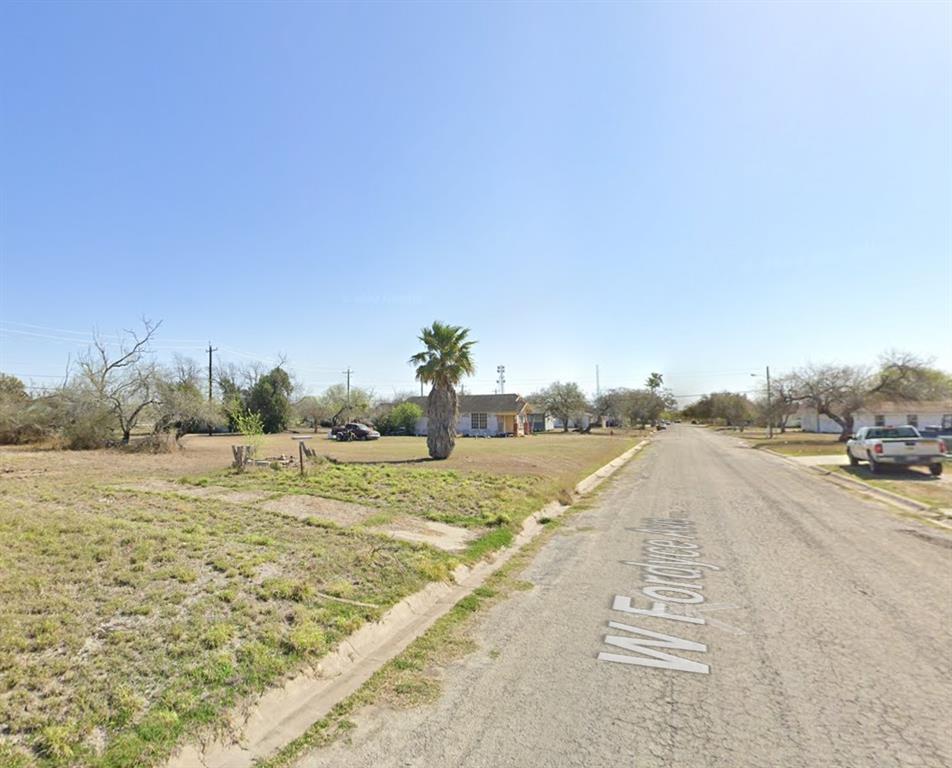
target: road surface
<point>802,626</point>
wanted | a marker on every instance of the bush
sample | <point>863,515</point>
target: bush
<point>25,421</point>
<point>399,420</point>
<point>88,425</point>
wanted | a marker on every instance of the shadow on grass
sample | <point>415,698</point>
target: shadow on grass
<point>341,462</point>
<point>862,472</point>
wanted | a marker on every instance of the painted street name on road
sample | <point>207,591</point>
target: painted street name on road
<point>672,571</point>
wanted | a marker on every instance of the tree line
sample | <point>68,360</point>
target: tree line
<point>834,390</point>
<point>117,390</point>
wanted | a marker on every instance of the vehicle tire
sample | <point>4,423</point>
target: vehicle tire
<point>854,462</point>
<point>936,469</point>
<point>874,466</point>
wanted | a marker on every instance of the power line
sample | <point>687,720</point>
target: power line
<point>85,334</point>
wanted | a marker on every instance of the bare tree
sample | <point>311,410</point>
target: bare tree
<point>782,403</point>
<point>123,381</point>
<point>839,391</point>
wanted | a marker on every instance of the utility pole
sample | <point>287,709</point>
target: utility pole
<point>598,388</point>
<point>769,411</point>
<point>501,381</point>
<point>347,373</point>
<point>210,350</point>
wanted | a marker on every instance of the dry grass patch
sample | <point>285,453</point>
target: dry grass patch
<point>130,619</point>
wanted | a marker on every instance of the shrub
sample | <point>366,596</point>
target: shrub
<point>401,419</point>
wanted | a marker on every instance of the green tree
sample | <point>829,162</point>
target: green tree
<point>654,381</point>
<point>446,359</point>
<point>564,401</point>
<point>270,397</point>
<point>402,418</point>
<point>23,419</point>
<point>644,406</point>
<point>309,410</point>
<point>339,407</point>
<point>182,405</point>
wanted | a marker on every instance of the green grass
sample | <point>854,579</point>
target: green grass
<point>132,620</point>
<point>796,443</point>
<point>913,483</point>
<point>469,499</point>
<point>128,621</point>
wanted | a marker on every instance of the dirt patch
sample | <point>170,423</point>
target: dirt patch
<point>303,507</point>
<point>449,538</point>
<point>198,491</point>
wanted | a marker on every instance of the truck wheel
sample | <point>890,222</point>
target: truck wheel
<point>874,466</point>
<point>854,462</point>
<point>936,469</point>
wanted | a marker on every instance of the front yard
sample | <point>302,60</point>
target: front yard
<point>137,607</point>
<point>913,482</point>
<point>795,443</point>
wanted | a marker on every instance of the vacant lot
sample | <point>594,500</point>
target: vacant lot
<point>135,608</point>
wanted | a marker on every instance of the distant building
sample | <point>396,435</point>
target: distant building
<point>486,415</point>
<point>885,414</point>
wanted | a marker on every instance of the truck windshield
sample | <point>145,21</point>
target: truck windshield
<point>887,432</point>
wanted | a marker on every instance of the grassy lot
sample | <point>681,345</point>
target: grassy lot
<point>129,618</point>
<point>914,482</point>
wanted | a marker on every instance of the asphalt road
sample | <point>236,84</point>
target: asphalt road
<point>825,638</point>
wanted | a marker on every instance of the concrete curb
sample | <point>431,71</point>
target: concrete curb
<point>852,483</point>
<point>284,713</point>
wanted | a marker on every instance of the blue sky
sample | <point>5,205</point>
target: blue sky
<point>700,189</point>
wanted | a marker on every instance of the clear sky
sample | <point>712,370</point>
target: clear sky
<point>699,189</point>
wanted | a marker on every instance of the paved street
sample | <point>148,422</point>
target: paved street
<point>794,625</point>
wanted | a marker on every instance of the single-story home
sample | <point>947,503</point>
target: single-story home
<point>543,422</point>
<point>539,419</point>
<point>486,415</point>
<point>918,414</point>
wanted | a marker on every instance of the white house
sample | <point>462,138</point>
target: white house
<point>581,421</point>
<point>918,414</point>
<point>486,415</point>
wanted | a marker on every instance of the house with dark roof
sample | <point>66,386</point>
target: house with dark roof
<point>486,415</point>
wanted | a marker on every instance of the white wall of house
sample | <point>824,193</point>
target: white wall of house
<point>810,423</point>
<point>465,426</point>
<point>549,423</point>
<point>574,423</point>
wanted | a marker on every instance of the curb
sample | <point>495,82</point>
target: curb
<point>284,713</point>
<point>851,483</point>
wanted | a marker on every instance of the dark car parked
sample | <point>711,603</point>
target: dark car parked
<point>354,430</point>
<point>941,433</point>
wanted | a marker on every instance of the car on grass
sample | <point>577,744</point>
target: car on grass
<point>354,430</point>
<point>882,447</point>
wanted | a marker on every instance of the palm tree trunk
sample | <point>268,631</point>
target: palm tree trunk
<point>441,415</point>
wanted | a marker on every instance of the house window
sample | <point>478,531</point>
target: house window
<point>947,421</point>
<point>912,420</point>
<point>879,420</point>
<point>477,421</point>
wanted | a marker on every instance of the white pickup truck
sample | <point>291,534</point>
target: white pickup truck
<point>903,446</point>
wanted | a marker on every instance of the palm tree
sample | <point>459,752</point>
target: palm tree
<point>446,359</point>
